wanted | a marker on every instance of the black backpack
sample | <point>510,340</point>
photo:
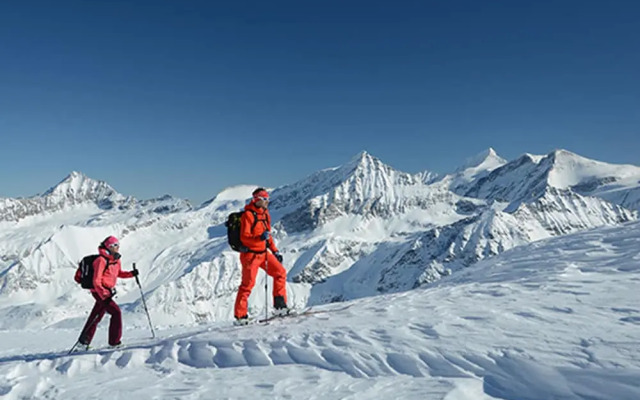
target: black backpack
<point>84,273</point>
<point>233,230</point>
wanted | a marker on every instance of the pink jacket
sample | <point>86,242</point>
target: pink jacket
<point>104,278</point>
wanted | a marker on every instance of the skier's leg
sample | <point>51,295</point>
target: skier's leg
<point>250,263</point>
<point>115,324</point>
<point>279,275</point>
<point>92,322</point>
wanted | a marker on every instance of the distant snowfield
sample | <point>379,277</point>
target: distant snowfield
<point>238,192</point>
<point>556,319</point>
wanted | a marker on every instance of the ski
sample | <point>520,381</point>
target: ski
<point>108,349</point>
<point>302,313</point>
<point>292,313</point>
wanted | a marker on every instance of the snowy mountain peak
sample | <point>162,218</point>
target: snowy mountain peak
<point>528,157</point>
<point>529,176</point>
<point>474,169</point>
<point>364,185</point>
<point>617,183</point>
<point>75,189</point>
<point>564,153</point>
<point>371,172</point>
<point>361,156</point>
<point>362,168</point>
<point>485,160</point>
<point>74,182</point>
<point>364,160</point>
<point>560,157</point>
<point>78,188</point>
<point>571,161</point>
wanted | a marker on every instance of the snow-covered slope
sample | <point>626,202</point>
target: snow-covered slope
<point>348,232</point>
<point>555,319</point>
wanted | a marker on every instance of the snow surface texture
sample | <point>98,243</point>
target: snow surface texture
<point>351,232</point>
<point>557,319</point>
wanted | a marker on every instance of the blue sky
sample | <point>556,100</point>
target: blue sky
<point>189,97</point>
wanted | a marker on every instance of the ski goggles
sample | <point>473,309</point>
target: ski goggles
<point>261,195</point>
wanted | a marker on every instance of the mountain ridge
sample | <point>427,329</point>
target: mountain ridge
<point>359,229</point>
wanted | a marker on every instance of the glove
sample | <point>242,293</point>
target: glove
<point>134,272</point>
<point>112,293</point>
<point>278,256</point>
<point>265,235</point>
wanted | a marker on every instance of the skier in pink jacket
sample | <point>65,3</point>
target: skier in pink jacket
<point>106,271</point>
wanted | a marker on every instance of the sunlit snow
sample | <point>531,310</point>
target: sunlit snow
<point>475,285</point>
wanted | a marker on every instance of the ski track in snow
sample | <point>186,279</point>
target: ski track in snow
<point>557,319</point>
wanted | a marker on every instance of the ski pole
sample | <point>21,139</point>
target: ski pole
<point>266,279</point>
<point>144,303</point>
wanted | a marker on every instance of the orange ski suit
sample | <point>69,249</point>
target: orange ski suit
<point>257,257</point>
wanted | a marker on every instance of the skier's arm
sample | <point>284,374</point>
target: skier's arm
<point>272,245</point>
<point>125,274</point>
<point>246,224</point>
<point>98,270</point>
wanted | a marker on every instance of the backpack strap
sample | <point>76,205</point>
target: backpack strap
<point>106,266</point>
<point>103,256</point>
<point>255,220</point>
